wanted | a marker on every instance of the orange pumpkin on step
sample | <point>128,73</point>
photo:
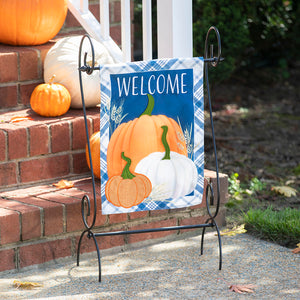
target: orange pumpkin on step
<point>140,137</point>
<point>31,22</point>
<point>95,152</point>
<point>50,99</point>
<point>128,189</point>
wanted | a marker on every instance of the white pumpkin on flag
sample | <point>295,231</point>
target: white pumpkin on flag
<point>172,174</point>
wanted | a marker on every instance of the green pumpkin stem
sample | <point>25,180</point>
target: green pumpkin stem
<point>150,106</point>
<point>126,174</point>
<point>165,143</point>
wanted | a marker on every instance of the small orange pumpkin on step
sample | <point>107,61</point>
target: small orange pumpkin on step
<point>50,99</point>
<point>128,189</point>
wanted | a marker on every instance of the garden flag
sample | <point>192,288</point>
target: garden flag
<point>151,135</point>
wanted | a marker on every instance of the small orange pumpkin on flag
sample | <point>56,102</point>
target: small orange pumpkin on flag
<point>128,189</point>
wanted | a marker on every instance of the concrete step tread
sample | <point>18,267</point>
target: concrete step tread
<point>7,118</point>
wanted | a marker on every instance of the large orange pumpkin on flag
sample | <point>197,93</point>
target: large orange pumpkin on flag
<point>31,22</point>
<point>140,137</point>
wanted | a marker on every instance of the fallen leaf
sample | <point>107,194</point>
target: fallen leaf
<point>64,184</point>
<point>242,288</point>
<point>290,182</point>
<point>26,284</point>
<point>284,190</point>
<point>296,250</point>
<point>234,231</point>
<point>17,119</point>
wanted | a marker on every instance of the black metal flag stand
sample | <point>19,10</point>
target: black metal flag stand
<point>209,59</point>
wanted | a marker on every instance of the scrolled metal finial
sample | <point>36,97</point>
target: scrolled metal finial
<point>213,60</point>
<point>86,67</point>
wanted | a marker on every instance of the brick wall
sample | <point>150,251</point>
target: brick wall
<point>21,70</point>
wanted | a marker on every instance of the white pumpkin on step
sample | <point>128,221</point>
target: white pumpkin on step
<point>62,61</point>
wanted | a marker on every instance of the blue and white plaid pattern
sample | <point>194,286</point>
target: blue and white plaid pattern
<point>145,66</point>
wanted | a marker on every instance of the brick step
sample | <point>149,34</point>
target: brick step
<point>43,149</point>
<point>42,223</point>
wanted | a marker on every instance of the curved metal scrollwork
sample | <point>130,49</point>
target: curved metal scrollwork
<point>85,202</point>
<point>214,60</point>
<point>87,68</point>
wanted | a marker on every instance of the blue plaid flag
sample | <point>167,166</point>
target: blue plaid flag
<point>151,135</point>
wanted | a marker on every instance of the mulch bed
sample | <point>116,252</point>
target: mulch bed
<point>256,120</point>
